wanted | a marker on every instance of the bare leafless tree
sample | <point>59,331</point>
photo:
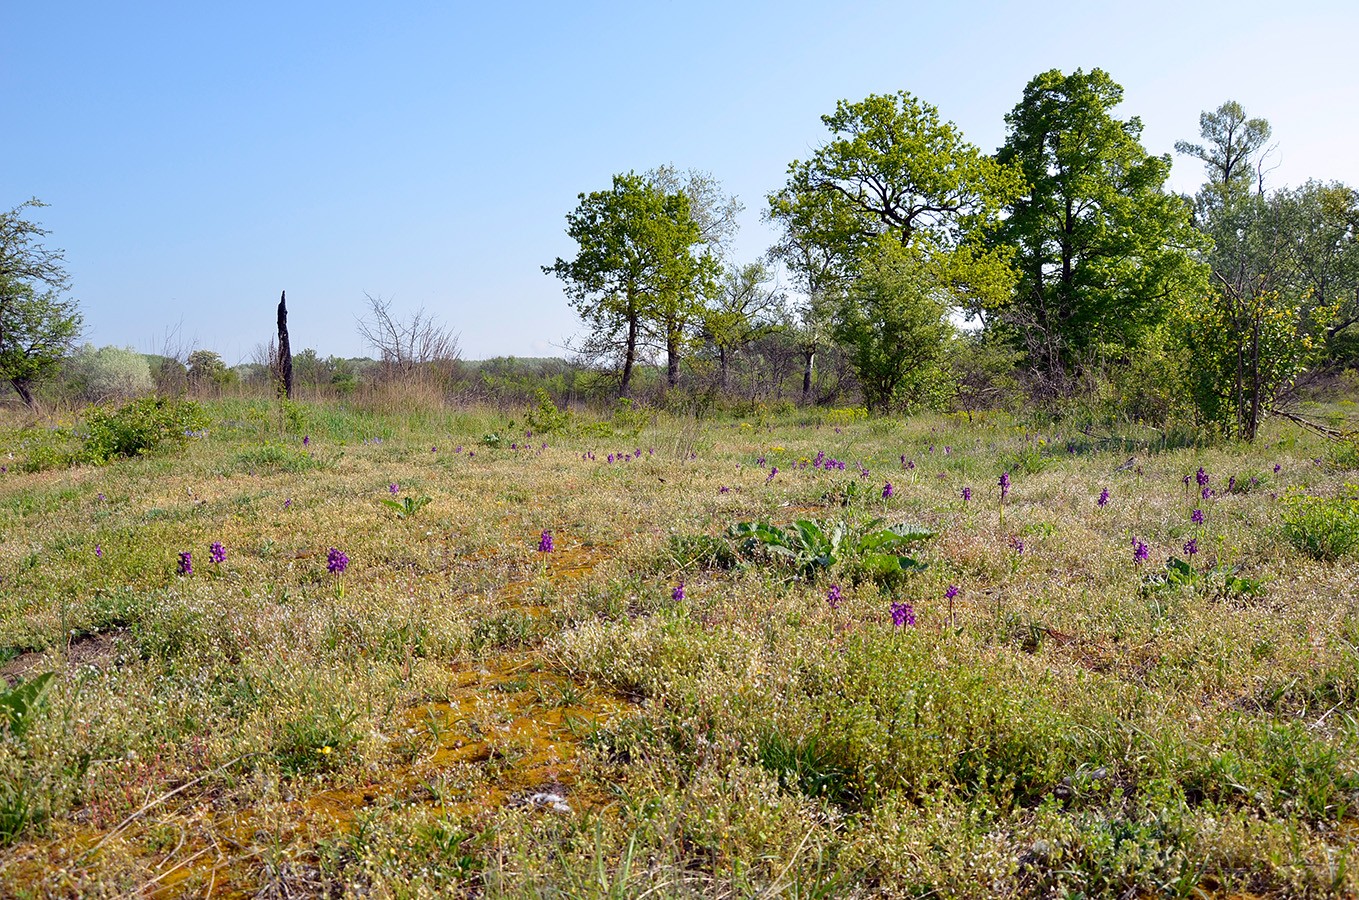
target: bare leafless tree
<point>405,346</point>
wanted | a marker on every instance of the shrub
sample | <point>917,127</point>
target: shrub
<point>108,373</point>
<point>141,426</point>
<point>1325,528</point>
<point>547,418</point>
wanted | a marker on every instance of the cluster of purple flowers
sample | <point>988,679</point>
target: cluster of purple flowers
<point>1191,547</point>
<point>833,596</point>
<point>951,592</point>
<point>887,491</point>
<point>1140,550</point>
<point>1103,500</point>
<point>336,561</point>
<point>1018,545</point>
<point>902,614</point>
<point>967,495</point>
<point>545,542</point>
<point>186,563</point>
<point>1201,477</point>
<point>907,464</point>
<point>217,553</point>
<point>822,461</point>
<point>1004,485</point>
<point>678,593</point>
<point>772,472</point>
<point>393,487</point>
<point>1196,517</point>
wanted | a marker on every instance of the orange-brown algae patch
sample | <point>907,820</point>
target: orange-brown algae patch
<point>501,733</point>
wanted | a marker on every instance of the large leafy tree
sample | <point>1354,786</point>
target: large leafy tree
<point>39,324</point>
<point>1102,250</point>
<point>894,173</point>
<point>639,257</point>
<point>896,168</point>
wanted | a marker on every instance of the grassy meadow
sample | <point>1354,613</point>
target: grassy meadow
<point>658,707</point>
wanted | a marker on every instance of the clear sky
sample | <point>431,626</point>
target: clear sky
<point>199,158</point>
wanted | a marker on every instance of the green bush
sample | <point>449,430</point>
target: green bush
<point>547,418</point>
<point>141,426</point>
<point>1325,528</point>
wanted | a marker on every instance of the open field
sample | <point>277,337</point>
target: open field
<point>457,711</point>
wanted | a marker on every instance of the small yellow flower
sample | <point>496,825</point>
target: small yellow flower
<point>324,751</point>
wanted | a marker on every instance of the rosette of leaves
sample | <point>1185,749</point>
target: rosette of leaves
<point>406,507</point>
<point>1218,583</point>
<point>868,552</point>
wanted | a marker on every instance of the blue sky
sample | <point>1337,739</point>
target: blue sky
<point>199,158</point>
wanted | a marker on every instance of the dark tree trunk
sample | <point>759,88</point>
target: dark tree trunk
<point>629,354</point>
<point>723,361</point>
<point>809,357</point>
<point>21,385</point>
<point>285,353</point>
<point>672,361</point>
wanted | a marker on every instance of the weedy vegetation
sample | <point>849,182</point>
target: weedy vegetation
<point>804,655</point>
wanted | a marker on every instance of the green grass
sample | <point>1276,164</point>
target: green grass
<point>1075,722</point>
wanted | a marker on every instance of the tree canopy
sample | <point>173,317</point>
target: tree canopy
<point>638,271</point>
<point>1102,250</point>
<point>39,324</point>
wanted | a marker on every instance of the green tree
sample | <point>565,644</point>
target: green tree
<point>1103,252</point>
<point>894,323</point>
<point>638,269</point>
<point>811,249</point>
<point>207,368</point>
<point>39,324</point>
<point>1283,267</point>
<point>680,314</point>
<point>1319,222</point>
<point>896,168</point>
<point>894,172</point>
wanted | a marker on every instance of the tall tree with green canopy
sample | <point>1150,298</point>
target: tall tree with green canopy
<point>896,168</point>
<point>1102,250</point>
<point>39,324</point>
<point>637,257</point>
<point>894,172</point>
